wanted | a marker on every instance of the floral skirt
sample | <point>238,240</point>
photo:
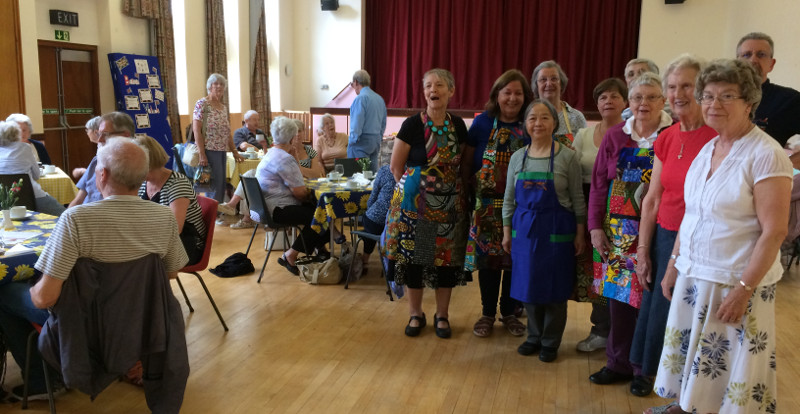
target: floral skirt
<point>711,366</point>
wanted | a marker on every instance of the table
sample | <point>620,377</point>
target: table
<point>20,267</point>
<point>335,202</point>
<point>234,169</point>
<point>59,185</point>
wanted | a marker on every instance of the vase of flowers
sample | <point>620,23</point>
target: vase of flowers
<point>9,196</point>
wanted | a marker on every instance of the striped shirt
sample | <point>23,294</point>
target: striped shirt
<point>178,186</point>
<point>113,230</point>
<point>311,152</point>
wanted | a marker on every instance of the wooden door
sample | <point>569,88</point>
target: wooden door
<point>70,96</point>
<point>11,83</point>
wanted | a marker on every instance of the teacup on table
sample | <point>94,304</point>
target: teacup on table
<point>368,174</point>
<point>49,169</point>
<point>18,212</point>
<point>333,175</point>
<point>251,149</point>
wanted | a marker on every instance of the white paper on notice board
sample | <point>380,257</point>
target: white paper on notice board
<point>132,102</point>
<point>145,95</point>
<point>142,121</point>
<point>141,66</point>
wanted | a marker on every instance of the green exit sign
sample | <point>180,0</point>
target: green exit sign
<point>62,35</point>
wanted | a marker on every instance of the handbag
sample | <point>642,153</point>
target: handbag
<point>203,175</point>
<point>349,256</point>
<point>315,271</point>
<point>191,155</point>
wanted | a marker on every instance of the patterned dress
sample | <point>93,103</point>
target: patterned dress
<point>426,227</point>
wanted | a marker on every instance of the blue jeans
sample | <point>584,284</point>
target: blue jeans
<point>217,160</point>
<point>16,314</point>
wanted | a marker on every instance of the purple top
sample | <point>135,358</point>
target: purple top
<point>605,170</point>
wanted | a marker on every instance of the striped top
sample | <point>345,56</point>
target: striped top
<point>178,186</point>
<point>116,229</point>
<point>311,152</point>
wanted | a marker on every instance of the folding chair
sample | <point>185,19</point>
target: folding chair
<point>360,236</point>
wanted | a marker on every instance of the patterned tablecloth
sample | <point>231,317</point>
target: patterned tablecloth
<point>59,185</point>
<point>20,267</point>
<point>235,169</point>
<point>334,201</point>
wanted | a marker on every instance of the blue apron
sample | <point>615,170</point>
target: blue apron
<point>543,233</point>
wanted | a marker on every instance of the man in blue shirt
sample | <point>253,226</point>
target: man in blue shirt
<point>367,121</point>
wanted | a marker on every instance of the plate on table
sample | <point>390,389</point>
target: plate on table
<point>28,216</point>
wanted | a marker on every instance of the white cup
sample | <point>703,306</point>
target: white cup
<point>368,174</point>
<point>333,175</point>
<point>49,169</point>
<point>251,149</point>
<point>18,212</point>
<point>261,137</point>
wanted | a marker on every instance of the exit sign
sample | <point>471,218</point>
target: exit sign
<point>64,18</point>
<point>62,35</point>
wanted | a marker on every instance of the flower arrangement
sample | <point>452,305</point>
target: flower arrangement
<point>8,195</point>
<point>365,163</point>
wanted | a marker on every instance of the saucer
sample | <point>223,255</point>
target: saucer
<point>27,216</point>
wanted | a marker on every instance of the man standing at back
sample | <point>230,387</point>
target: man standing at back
<point>367,121</point>
<point>778,114</point>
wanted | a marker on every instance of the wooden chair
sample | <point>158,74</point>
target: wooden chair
<point>209,207</point>
<point>26,196</point>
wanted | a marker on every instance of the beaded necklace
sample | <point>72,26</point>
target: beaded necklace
<point>432,143</point>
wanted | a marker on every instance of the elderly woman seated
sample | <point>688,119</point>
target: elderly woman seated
<point>16,157</point>
<point>330,144</point>
<point>285,192</point>
<point>172,189</point>
<point>26,128</point>
<point>306,155</point>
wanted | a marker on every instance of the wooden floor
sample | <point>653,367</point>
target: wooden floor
<point>296,348</point>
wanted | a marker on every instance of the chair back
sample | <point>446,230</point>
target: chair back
<point>26,196</point>
<point>255,199</point>
<point>351,166</point>
<point>209,207</point>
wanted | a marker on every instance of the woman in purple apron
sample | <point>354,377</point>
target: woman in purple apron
<point>543,210</point>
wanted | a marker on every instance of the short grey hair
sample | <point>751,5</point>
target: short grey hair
<point>684,61</point>
<point>93,124</point>
<point>120,121</point>
<point>562,77</point>
<point>21,118</point>
<point>322,121</point>
<point>249,113</point>
<point>443,74</point>
<point>361,77</point>
<point>126,163</point>
<point>550,108</point>
<point>651,66</point>
<point>216,77</point>
<point>757,36</point>
<point>736,72</point>
<point>283,130</point>
<point>645,78</point>
<point>9,133</point>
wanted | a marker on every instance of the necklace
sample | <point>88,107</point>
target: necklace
<point>439,130</point>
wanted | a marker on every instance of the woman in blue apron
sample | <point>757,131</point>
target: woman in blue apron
<point>543,210</point>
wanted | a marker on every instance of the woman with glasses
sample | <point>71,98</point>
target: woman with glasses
<point>620,179</point>
<point>549,82</point>
<point>662,212</point>
<point>719,345</point>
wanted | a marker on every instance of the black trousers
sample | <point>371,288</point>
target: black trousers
<point>374,228</point>
<point>302,215</point>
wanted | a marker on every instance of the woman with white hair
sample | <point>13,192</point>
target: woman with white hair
<point>549,82</point>
<point>286,194</point>
<point>26,128</point>
<point>330,144</point>
<point>212,133</point>
<point>92,127</point>
<point>306,155</point>
<point>17,158</point>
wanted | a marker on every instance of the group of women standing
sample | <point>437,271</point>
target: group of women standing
<point>671,212</point>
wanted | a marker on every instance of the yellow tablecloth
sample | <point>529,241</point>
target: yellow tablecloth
<point>59,185</point>
<point>234,169</point>
<point>20,267</point>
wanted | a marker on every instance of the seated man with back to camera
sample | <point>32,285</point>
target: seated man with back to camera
<point>119,228</point>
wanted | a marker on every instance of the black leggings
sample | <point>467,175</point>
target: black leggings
<point>374,228</point>
<point>301,215</point>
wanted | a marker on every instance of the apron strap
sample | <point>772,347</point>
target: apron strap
<point>550,164</point>
<point>566,117</point>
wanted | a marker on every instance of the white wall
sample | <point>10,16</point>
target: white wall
<point>711,28</point>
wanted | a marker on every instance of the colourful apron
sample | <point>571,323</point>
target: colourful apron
<point>616,278</point>
<point>485,243</point>
<point>568,138</point>
<point>543,232</point>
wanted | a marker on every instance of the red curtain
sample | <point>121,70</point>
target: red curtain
<point>478,40</point>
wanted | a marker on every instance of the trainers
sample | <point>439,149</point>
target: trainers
<point>37,395</point>
<point>243,224</point>
<point>226,209</point>
<point>592,342</point>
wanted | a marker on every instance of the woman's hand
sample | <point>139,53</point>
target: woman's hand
<point>580,244</point>
<point>202,156</point>
<point>507,239</point>
<point>670,277</point>
<point>600,243</point>
<point>734,305</point>
<point>643,267</point>
<point>238,157</point>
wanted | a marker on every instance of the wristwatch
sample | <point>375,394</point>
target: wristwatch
<point>674,256</point>
<point>745,286</point>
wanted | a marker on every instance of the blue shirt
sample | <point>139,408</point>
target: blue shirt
<point>367,124</point>
<point>381,197</point>
<point>87,183</point>
<point>479,134</point>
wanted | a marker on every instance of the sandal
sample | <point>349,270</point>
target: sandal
<point>283,261</point>
<point>415,330</point>
<point>663,409</point>
<point>442,332</point>
<point>514,326</point>
<point>483,327</point>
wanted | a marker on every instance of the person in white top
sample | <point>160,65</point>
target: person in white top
<point>719,346</point>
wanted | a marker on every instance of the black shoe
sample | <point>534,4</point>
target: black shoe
<point>290,267</point>
<point>641,386</point>
<point>606,376</point>
<point>415,330</point>
<point>548,354</point>
<point>323,254</point>
<point>442,332</point>
<point>528,348</point>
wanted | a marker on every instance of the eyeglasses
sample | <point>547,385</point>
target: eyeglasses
<point>554,79</point>
<point>759,55</point>
<point>724,99</point>
<point>107,134</point>
<point>649,98</point>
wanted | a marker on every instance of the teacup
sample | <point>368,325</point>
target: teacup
<point>49,169</point>
<point>368,174</point>
<point>333,175</point>
<point>351,184</point>
<point>251,149</point>
<point>18,212</point>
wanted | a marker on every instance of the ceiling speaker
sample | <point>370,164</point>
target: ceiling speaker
<point>329,5</point>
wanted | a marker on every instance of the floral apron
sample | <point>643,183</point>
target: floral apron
<point>542,243</point>
<point>568,138</point>
<point>616,278</point>
<point>484,245</point>
<point>426,224</point>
